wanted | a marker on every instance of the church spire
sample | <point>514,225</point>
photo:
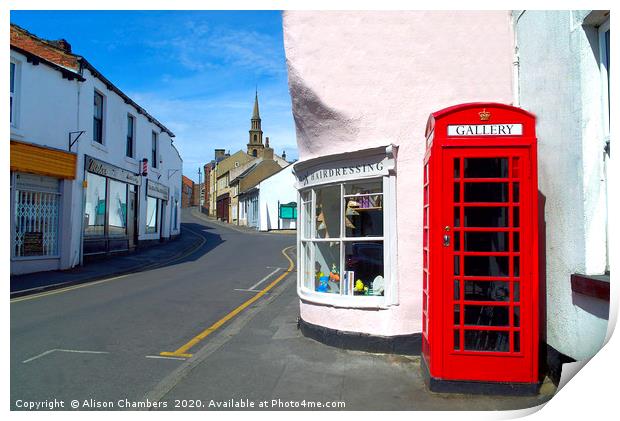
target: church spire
<point>255,114</point>
<point>256,133</point>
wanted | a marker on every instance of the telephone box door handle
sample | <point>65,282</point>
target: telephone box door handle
<point>446,240</point>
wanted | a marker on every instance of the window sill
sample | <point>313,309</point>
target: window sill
<point>23,258</point>
<point>596,286</point>
<point>131,160</point>
<point>341,301</point>
<point>99,146</point>
<point>16,133</point>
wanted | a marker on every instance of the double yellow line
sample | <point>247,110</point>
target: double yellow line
<point>182,351</point>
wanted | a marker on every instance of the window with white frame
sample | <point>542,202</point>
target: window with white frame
<point>152,215</point>
<point>154,150</point>
<point>13,104</point>
<point>98,118</point>
<point>342,239</point>
<point>131,130</point>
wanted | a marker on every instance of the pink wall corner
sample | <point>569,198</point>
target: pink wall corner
<point>365,79</point>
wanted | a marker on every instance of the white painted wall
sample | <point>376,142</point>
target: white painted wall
<point>560,83</point>
<point>49,107</point>
<point>365,79</point>
<point>278,187</point>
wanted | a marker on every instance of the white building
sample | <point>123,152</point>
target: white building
<point>279,189</point>
<point>79,186</point>
<point>562,77</point>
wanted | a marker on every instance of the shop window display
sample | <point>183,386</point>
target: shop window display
<point>342,245</point>
<point>94,215</point>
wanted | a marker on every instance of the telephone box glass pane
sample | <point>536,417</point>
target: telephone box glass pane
<point>516,266</point>
<point>517,316</point>
<point>517,342</point>
<point>457,314</point>
<point>457,290</point>
<point>476,340</point>
<point>486,192</point>
<point>516,298</point>
<point>515,241</point>
<point>457,167</point>
<point>486,167</point>
<point>515,217</point>
<point>457,340</point>
<point>457,241</point>
<point>486,241</point>
<point>515,192</point>
<point>457,265</point>
<point>486,217</point>
<point>486,315</point>
<point>486,266</point>
<point>486,291</point>
<point>457,193</point>
<point>457,217</point>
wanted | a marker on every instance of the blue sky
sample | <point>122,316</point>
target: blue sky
<point>195,71</point>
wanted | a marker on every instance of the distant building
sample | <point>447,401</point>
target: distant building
<point>273,193</point>
<point>92,172</point>
<point>223,198</point>
<point>189,194</point>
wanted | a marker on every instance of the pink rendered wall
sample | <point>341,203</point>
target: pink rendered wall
<point>364,79</point>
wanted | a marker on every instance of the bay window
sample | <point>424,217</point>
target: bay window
<point>342,244</point>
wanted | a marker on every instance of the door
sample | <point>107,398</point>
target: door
<point>131,218</point>
<point>487,283</point>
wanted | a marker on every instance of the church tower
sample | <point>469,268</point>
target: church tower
<point>255,147</point>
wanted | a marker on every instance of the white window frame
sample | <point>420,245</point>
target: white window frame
<point>605,108</point>
<point>604,76</point>
<point>103,116</point>
<point>155,153</point>
<point>390,296</point>
<point>15,95</point>
<point>133,136</point>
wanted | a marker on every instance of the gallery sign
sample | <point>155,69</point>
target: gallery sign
<point>485,129</point>
<point>157,190</point>
<point>111,171</point>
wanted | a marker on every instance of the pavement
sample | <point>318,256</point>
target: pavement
<point>262,357</point>
<point>148,257</point>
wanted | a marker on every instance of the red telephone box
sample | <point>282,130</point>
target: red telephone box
<point>480,279</point>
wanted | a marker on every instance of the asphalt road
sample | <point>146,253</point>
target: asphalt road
<point>103,341</point>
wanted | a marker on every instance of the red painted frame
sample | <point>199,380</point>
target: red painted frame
<point>438,261</point>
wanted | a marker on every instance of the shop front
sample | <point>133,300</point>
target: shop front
<point>156,199</point>
<point>347,245</point>
<point>40,188</point>
<point>110,208</point>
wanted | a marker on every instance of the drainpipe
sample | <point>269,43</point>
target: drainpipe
<point>515,63</point>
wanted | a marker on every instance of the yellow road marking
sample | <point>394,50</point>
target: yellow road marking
<point>90,284</point>
<point>182,351</point>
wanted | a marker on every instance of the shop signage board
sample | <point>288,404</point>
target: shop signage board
<point>96,166</point>
<point>480,235</point>
<point>288,210</point>
<point>158,190</point>
<point>351,167</point>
